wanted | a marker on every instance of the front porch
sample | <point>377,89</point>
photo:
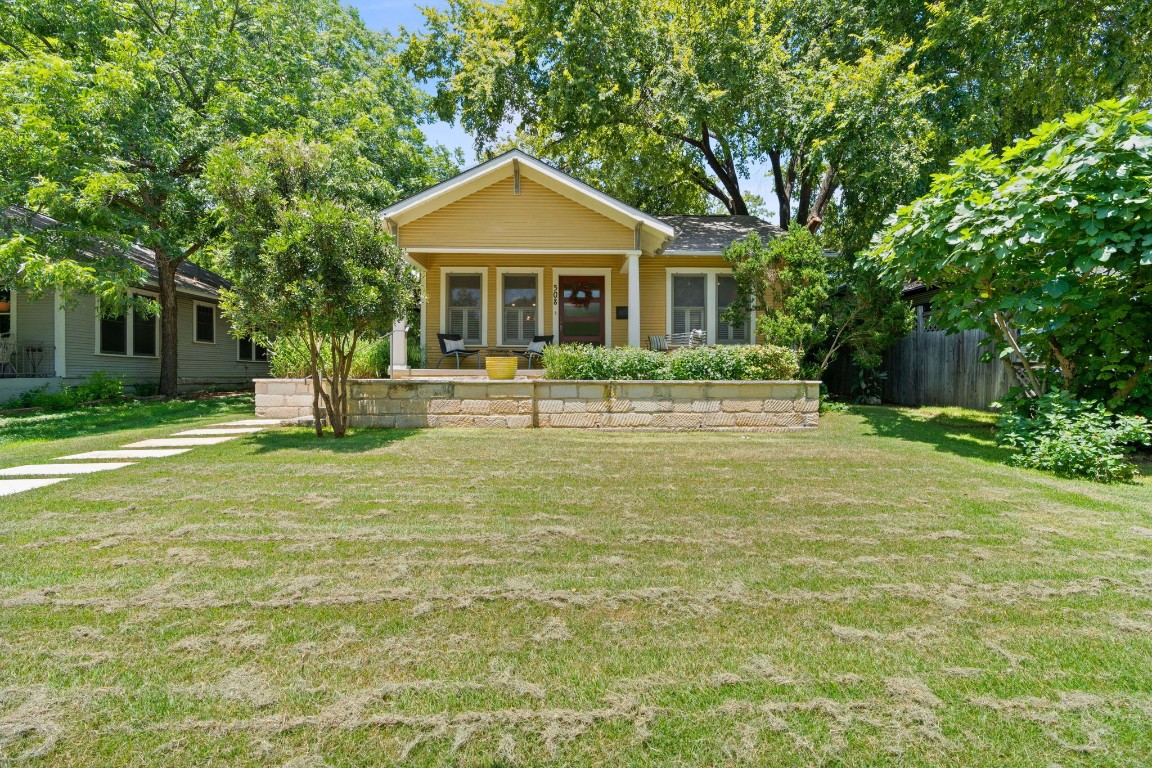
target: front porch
<point>27,344</point>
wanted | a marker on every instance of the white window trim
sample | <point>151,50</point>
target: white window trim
<point>195,306</point>
<point>129,331</point>
<point>710,274</point>
<point>246,360</point>
<point>540,294</point>
<point>483,272</point>
<point>12,316</point>
<point>609,308</point>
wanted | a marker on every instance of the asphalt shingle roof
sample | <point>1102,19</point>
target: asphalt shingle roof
<point>715,233</point>
<point>189,276</point>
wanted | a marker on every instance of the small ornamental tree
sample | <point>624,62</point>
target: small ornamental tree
<point>817,304</point>
<point>1047,246</point>
<point>307,258</point>
<point>786,281</point>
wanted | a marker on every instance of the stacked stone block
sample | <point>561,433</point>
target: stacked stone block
<point>523,404</point>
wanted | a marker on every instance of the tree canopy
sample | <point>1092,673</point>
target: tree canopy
<point>109,109</point>
<point>670,104</point>
<point>1047,246</point>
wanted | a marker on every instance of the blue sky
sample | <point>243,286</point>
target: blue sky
<point>390,15</point>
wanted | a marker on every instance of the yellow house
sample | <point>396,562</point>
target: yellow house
<point>514,249</point>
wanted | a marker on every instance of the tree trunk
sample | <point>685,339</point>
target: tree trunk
<point>169,323</point>
<point>724,171</point>
<point>783,194</point>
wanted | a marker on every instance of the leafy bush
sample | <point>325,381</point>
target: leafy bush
<point>733,363</point>
<point>586,362</point>
<point>98,386</point>
<point>288,357</point>
<point>1072,438</point>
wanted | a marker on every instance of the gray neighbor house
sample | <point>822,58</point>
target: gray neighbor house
<point>47,342</point>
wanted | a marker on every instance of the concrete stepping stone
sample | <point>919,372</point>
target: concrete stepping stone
<point>220,431</point>
<point>180,442</point>
<point>62,469</point>
<point>145,453</point>
<point>255,423</point>
<point>9,487</point>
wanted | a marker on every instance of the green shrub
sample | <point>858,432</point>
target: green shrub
<point>98,386</point>
<point>745,362</point>
<point>1072,438</point>
<point>288,357</point>
<point>586,362</point>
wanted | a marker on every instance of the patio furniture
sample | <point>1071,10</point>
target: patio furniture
<point>691,339</point>
<point>535,350</point>
<point>452,345</point>
<point>7,349</point>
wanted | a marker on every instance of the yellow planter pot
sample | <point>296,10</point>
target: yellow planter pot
<point>501,367</point>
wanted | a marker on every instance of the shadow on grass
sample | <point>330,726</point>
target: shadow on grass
<point>304,439</point>
<point>100,419</point>
<point>961,434</point>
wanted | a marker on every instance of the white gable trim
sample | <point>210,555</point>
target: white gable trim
<point>487,173</point>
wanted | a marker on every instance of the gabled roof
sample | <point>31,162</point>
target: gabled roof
<point>710,235</point>
<point>190,278</point>
<point>654,232</point>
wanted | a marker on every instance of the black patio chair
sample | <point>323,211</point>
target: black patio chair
<point>535,350</point>
<point>452,345</point>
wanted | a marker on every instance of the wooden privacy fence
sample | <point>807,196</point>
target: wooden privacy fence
<point>938,368</point>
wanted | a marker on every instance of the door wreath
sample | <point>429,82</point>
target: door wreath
<point>582,294</point>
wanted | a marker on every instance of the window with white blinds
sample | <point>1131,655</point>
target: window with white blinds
<point>726,333</point>
<point>520,299</point>
<point>689,303</point>
<point>463,306</point>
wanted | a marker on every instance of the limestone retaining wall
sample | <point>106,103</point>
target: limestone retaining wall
<point>523,404</point>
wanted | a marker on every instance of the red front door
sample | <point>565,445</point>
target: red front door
<point>581,310</point>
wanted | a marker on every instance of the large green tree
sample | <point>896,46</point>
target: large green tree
<point>850,104</point>
<point>670,103</point>
<point>109,108</point>
<point>1047,246</point>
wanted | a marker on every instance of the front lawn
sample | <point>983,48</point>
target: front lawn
<point>878,591</point>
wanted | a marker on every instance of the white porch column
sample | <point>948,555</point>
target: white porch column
<point>633,298</point>
<point>398,351</point>
<point>60,336</point>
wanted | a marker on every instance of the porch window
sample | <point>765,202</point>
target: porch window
<point>5,312</point>
<point>689,303</point>
<point>520,297</point>
<point>204,325</point>
<point>248,351</point>
<point>130,335</point>
<point>464,302</point>
<point>727,333</point>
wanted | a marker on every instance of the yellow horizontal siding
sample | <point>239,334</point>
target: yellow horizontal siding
<point>495,217</point>
<point>550,263</point>
<point>654,288</point>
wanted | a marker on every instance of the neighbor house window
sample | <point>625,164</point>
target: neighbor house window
<point>130,334</point>
<point>689,303</point>
<point>726,333</point>
<point>463,303</point>
<point>5,312</point>
<point>248,351</point>
<point>204,323</point>
<point>520,297</point>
